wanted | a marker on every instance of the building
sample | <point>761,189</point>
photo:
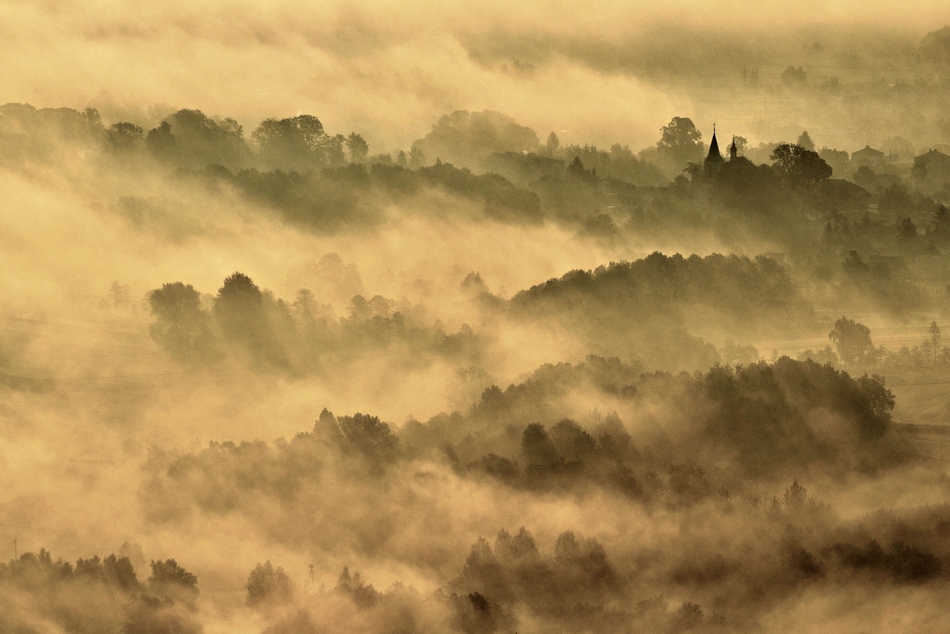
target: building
<point>932,168</point>
<point>713,163</point>
<point>868,157</point>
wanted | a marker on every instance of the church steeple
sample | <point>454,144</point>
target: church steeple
<point>714,160</point>
<point>714,154</point>
<point>733,150</point>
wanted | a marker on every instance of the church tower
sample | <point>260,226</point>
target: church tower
<point>714,160</point>
<point>733,150</point>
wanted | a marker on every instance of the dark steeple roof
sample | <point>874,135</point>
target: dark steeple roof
<point>714,154</point>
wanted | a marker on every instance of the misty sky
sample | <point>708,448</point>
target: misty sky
<point>388,69</point>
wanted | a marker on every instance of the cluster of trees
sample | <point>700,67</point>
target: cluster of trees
<point>296,337</point>
<point>792,544</point>
<point>311,176</point>
<point>642,309</point>
<point>645,309</point>
<point>226,477</point>
<point>702,450</point>
<point>904,235</point>
<point>358,198</point>
<point>756,419</point>
<point>329,182</point>
<point>854,349</point>
<point>99,595</point>
<point>191,139</point>
<point>506,585</point>
<point>187,139</point>
<point>268,587</point>
<point>510,583</point>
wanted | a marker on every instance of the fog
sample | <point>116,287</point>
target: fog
<point>386,70</point>
<point>355,317</point>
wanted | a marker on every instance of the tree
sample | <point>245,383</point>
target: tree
<point>124,137</point>
<point>680,144</point>
<point>895,199</point>
<point>801,167</point>
<point>940,225</point>
<point>466,139</point>
<point>238,306</point>
<point>577,170</point>
<point>854,266</point>
<point>244,316</point>
<point>417,158</point>
<point>804,140</point>
<point>878,404</point>
<point>906,229</point>
<point>357,147</point>
<point>367,435</point>
<point>150,615</point>
<point>170,580</point>
<point>741,144</point>
<point>793,75</point>
<point>688,617</point>
<point>680,133</point>
<point>181,326</point>
<point>536,445</point>
<point>119,571</point>
<point>571,440</point>
<point>795,496</point>
<point>296,142</point>
<point>934,339</point>
<point>839,160</point>
<point>853,342</point>
<point>162,143</point>
<point>553,143</point>
<point>865,177</point>
<point>269,586</point>
<point>203,141</point>
<point>168,572</point>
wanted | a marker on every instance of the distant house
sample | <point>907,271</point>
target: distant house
<point>898,149</point>
<point>931,167</point>
<point>868,157</point>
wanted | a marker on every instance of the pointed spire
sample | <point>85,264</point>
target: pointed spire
<point>714,154</point>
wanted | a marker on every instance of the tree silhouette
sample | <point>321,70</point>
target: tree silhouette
<point>801,167</point>
<point>906,229</point>
<point>357,147</point>
<point>268,586</point>
<point>679,133</point>
<point>181,326</point>
<point>239,308</point>
<point>804,140</point>
<point>300,143</point>
<point>124,137</point>
<point>536,445</point>
<point>934,339</point>
<point>853,342</point>
<point>168,572</point>
<point>162,143</point>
